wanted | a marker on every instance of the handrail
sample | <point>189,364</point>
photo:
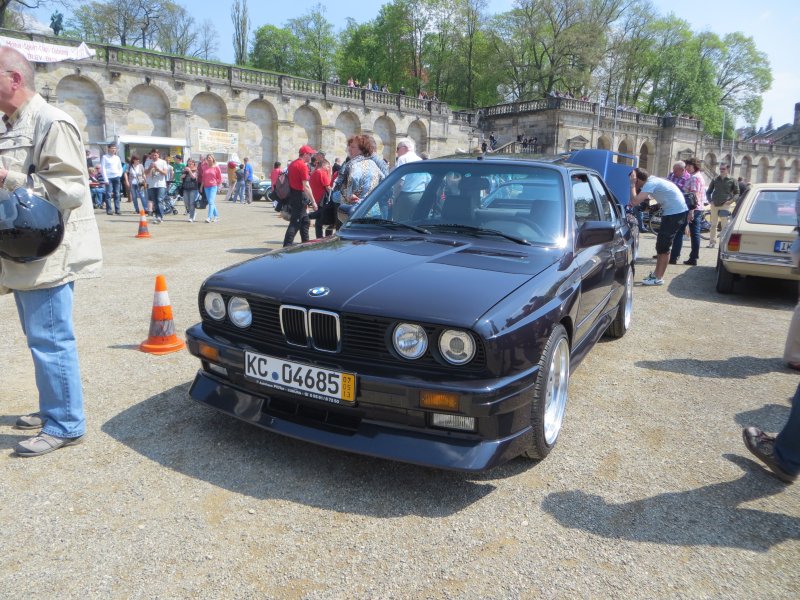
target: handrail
<point>192,68</point>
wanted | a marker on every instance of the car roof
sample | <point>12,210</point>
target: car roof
<point>551,161</point>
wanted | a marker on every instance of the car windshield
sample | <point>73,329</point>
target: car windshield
<point>516,202</point>
<point>774,207</point>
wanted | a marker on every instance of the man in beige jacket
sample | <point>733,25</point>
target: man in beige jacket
<point>44,140</point>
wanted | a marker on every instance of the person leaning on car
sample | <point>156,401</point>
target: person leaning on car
<point>722,192</point>
<point>674,211</point>
<point>300,196</point>
<point>41,146</point>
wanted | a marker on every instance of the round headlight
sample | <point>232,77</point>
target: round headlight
<point>457,347</point>
<point>410,340</point>
<point>214,305</point>
<point>239,312</point>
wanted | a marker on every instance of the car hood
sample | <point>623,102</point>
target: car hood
<point>414,278</point>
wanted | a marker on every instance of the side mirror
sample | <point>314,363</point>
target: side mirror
<point>724,213</point>
<point>592,233</point>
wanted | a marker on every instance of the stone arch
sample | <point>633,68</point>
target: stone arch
<point>419,133</point>
<point>604,142</point>
<point>625,147</point>
<point>149,112</point>
<point>308,126</point>
<point>746,168</point>
<point>83,100</point>
<point>347,125</point>
<point>710,162</point>
<point>763,170</point>
<point>209,112</point>
<point>259,131</point>
<point>794,171</point>
<point>385,134</point>
<point>777,173</point>
<point>646,155</point>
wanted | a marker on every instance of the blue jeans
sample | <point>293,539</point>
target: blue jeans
<point>46,318</point>
<point>238,192</point>
<point>137,193</point>
<point>211,195</point>
<point>638,211</point>
<point>112,189</point>
<point>694,233</point>
<point>155,195</point>
<point>787,444</point>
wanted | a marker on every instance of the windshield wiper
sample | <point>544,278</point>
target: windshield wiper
<point>388,223</point>
<point>480,231</point>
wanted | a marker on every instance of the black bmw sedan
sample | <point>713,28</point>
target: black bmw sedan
<point>438,327</point>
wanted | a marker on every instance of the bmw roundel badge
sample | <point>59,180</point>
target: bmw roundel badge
<point>318,292</point>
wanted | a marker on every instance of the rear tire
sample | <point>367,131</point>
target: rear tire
<point>725,279</point>
<point>622,322</point>
<point>549,401</point>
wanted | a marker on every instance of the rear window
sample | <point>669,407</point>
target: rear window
<point>774,207</point>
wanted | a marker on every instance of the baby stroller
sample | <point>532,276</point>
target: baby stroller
<point>167,203</point>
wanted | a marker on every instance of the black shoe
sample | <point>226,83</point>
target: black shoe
<point>108,212</point>
<point>691,262</point>
<point>117,213</point>
<point>762,446</point>
<point>673,261</point>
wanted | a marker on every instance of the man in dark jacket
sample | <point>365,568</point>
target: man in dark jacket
<point>723,192</point>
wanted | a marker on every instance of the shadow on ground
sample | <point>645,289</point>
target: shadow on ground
<point>735,367</point>
<point>700,283</point>
<point>706,516</point>
<point>251,251</point>
<point>770,417</point>
<point>194,440</point>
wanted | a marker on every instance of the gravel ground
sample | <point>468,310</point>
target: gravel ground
<point>650,492</point>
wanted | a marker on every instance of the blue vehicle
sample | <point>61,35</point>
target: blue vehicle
<point>443,334</point>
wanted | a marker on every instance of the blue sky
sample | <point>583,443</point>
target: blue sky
<point>774,25</point>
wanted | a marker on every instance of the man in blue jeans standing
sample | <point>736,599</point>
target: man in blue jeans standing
<point>780,453</point>
<point>111,167</point>
<point>248,180</point>
<point>43,143</point>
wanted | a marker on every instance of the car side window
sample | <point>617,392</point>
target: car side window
<point>585,205</point>
<point>605,201</point>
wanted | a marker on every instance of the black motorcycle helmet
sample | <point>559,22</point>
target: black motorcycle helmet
<point>30,227</point>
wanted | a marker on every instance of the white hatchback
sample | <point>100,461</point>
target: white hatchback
<point>759,236</point>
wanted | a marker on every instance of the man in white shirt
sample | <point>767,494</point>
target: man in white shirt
<point>111,166</point>
<point>156,170</point>
<point>412,186</point>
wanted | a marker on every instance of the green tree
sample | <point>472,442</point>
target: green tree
<point>317,44</point>
<point>275,49</point>
<point>358,52</point>
<point>240,18</point>
<point>742,75</point>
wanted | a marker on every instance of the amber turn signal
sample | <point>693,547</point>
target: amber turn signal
<point>208,352</point>
<point>438,400</point>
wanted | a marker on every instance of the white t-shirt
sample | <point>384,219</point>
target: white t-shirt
<point>666,194</point>
<point>156,179</point>
<point>415,182</point>
<point>111,165</point>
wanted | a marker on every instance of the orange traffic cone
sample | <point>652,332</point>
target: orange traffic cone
<point>162,338</point>
<point>143,232</point>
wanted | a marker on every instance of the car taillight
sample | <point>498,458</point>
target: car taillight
<point>735,242</point>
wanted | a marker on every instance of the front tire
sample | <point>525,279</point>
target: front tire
<point>549,402</point>
<point>622,322</point>
<point>725,278</point>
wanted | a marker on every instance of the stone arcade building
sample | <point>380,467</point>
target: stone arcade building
<point>132,92</point>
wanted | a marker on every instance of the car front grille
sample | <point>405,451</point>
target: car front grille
<point>363,339</point>
<point>318,329</point>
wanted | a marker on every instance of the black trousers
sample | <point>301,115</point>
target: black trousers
<point>302,224</point>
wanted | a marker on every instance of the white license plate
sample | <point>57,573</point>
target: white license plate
<point>782,246</point>
<point>312,382</point>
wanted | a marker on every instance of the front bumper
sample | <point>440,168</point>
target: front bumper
<point>386,420</point>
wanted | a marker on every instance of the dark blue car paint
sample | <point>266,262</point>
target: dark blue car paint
<point>510,296</point>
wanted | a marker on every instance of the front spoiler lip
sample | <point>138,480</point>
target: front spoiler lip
<point>371,439</point>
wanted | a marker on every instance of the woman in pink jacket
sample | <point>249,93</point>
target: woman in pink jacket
<point>212,178</point>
